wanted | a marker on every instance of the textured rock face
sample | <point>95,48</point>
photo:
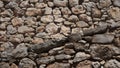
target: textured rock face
<point>59,33</point>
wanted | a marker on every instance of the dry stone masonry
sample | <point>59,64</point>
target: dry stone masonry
<point>59,33</point>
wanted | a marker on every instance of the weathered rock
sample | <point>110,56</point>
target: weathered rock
<point>11,29</point>
<point>57,36</point>
<point>65,10</point>
<point>33,1</point>
<point>84,64</point>
<point>74,37</point>
<point>33,12</point>
<point>114,12</point>
<point>85,18</point>
<point>116,3</point>
<point>73,18</point>
<point>48,10</point>
<point>20,51</point>
<point>24,4</point>
<point>78,9</point>
<point>73,2</point>
<point>96,64</point>
<point>69,51</point>
<point>63,57</point>
<point>47,18</point>
<point>60,3</point>
<point>50,4</point>
<point>65,30</point>
<point>82,24</point>
<point>56,11</point>
<point>13,65</point>
<point>80,56</point>
<point>112,64</point>
<point>96,13</point>
<point>4,65</point>
<point>37,40</point>
<point>104,3</point>
<point>27,63</point>
<point>45,60</point>
<point>40,5</point>
<point>103,38</point>
<point>25,29</point>
<point>17,21</point>
<point>59,65</point>
<point>52,28</point>
<point>8,13</point>
<point>1,4</point>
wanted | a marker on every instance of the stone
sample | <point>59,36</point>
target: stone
<point>69,51</point>
<point>1,4</point>
<point>76,30</point>
<point>56,11</point>
<point>74,37</point>
<point>62,57</point>
<point>116,3</point>
<point>6,19</point>
<point>104,3</point>
<point>103,38</point>
<point>96,13</point>
<point>65,11</point>
<point>4,65</point>
<point>78,9</point>
<point>30,21</point>
<point>84,64</point>
<point>18,38</point>
<point>11,29</point>
<point>20,51</point>
<point>73,3</point>
<point>114,12</point>
<point>73,18</point>
<point>51,28</point>
<point>40,29</point>
<point>13,65</point>
<point>48,10</point>
<point>112,64</point>
<point>96,64</point>
<point>27,63</point>
<point>33,1</point>
<point>8,13</point>
<point>60,3</point>
<point>58,65</point>
<point>50,4</point>
<point>17,21</point>
<point>85,18</point>
<point>57,36</point>
<point>59,20</point>
<point>3,26</point>
<point>25,29</point>
<point>24,4</point>
<point>82,24</point>
<point>45,60</point>
<point>65,30</point>
<point>81,56</point>
<point>47,18</point>
<point>37,40</point>
<point>40,5</point>
<point>33,11</point>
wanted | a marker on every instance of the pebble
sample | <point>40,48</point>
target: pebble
<point>1,4</point>
<point>48,10</point>
<point>47,18</point>
<point>40,5</point>
<point>65,30</point>
<point>103,38</point>
<point>37,40</point>
<point>96,65</point>
<point>11,29</point>
<point>65,11</point>
<point>60,3</point>
<point>84,64</point>
<point>96,13</point>
<point>27,63</point>
<point>33,1</point>
<point>56,11</point>
<point>82,24</point>
<point>24,29</point>
<point>33,11</point>
<point>4,65</point>
<point>51,28</point>
<point>104,3</point>
<point>62,57</point>
<point>73,3</point>
<point>73,18</point>
<point>85,18</point>
<point>17,21</point>
<point>116,3</point>
<point>80,56</point>
<point>57,36</point>
<point>78,9</point>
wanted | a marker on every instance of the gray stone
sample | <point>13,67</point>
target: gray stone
<point>80,56</point>
<point>4,65</point>
<point>11,29</point>
<point>73,18</point>
<point>104,3</point>
<point>65,10</point>
<point>73,2</point>
<point>56,11</point>
<point>65,30</point>
<point>78,9</point>
<point>103,38</point>
<point>96,64</point>
<point>62,57</point>
<point>82,24</point>
<point>48,10</point>
<point>45,60</point>
<point>60,3</point>
<point>33,12</point>
<point>116,3</point>
<point>112,64</point>
<point>1,4</point>
<point>33,1</point>
<point>27,63</point>
<point>84,64</point>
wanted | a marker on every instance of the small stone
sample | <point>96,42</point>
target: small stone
<point>42,66</point>
<point>11,29</point>
<point>47,18</point>
<point>75,30</point>
<point>6,19</point>
<point>80,56</point>
<point>17,21</point>
<point>1,4</point>
<point>27,63</point>
<point>13,65</point>
<point>63,57</point>
<point>24,4</point>
<point>65,10</point>
<point>84,64</point>
<point>73,18</point>
<point>59,65</point>
<point>33,1</point>
<point>40,29</point>
<point>4,65</point>
<point>65,30</point>
<point>112,64</point>
<point>57,36</point>
<point>24,29</point>
<point>40,5</point>
<point>48,10</point>
<point>85,18</point>
<point>103,38</point>
<point>3,26</point>
<point>114,12</point>
<point>51,28</point>
<point>116,3</point>
<point>96,64</point>
<point>45,60</point>
<point>73,3</point>
<point>82,24</point>
<point>59,20</point>
<point>50,4</point>
<point>78,9</point>
<point>33,11</point>
<point>104,3</point>
<point>96,13</point>
<point>20,51</point>
<point>37,40</point>
<point>60,3</point>
<point>74,37</point>
<point>56,11</point>
<point>69,51</point>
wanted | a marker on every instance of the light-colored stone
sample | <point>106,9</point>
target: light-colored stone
<point>37,40</point>
<point>33,12</point>
<point>96,12</point>
<point>116,3</point>
<point>73,2</point>
<point>56,11</point>
<point>65,30</point>
<point>33,1</point>
<point>60,3</point>
<point>48,10</point>
<point>85,18</point>
<point>78,9</point>
<point>40,5</point>
<point>84,64</point>
<point>24,29</point>
<point>57,36</point>
<point>1,4</point>
<point>104,3</point>
<point>47,18</point>
<point>82,24</point>
<point>17,21</point>
<point>65,10</point>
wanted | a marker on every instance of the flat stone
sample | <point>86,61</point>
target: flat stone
<point>103,38</point>
<point>84,64</point>
<point>73,18</point>
<point>96,13</point>
<point>112,64</point>
<point>65,30</point>
<point>78,9</point>
<point>73,2</point>
<point>60,3</point>
<point>56,11</point>
<point>65,10</point>
<point>24,29</point>
<point>27,63</point>
<point>1,4</point>
<point>85,18</point>
<point>82,24</point>
<point>40,5</point>
<point>11,29</point>
<point>48,10</point>
<point>104,3</point>
<point>45,60</point>
<point>4,65</point>
<point>116,3</point>
<point>17,21</point>
<point>57,36</point>
<point>47,18</point>
<point>59,65</point>
<point>33,11</point>
<point>62,57</point>
<point>80,56</point>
